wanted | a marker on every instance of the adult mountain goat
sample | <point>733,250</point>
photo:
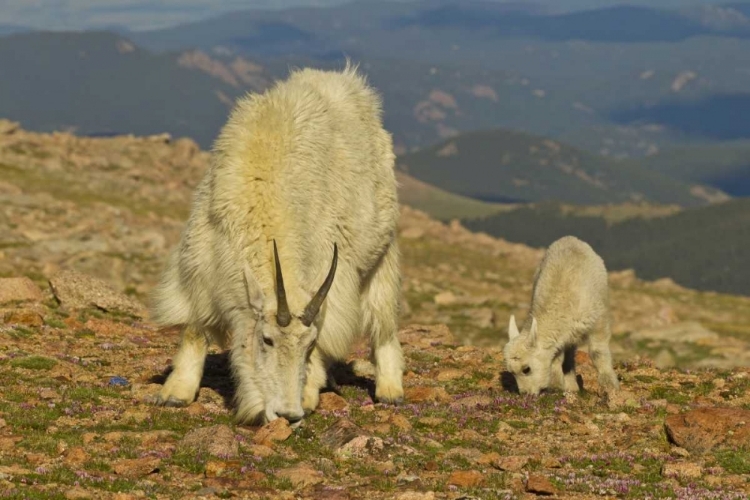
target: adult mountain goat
<point>569,305</point>
<point>290,249</point>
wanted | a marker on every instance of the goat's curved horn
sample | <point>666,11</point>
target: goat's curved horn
<point>314,306</point>
<point>283,317</point>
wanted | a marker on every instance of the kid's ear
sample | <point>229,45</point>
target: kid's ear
<point>532,331</point>
<point>512,328</point>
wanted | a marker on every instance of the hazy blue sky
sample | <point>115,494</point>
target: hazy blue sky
<point>149,14</point>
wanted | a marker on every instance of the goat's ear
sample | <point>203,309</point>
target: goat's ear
<point>255,296</point>
<point>533,331</point>
<point>512,328</point>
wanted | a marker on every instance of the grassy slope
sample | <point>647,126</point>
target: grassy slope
<point>441,204</point>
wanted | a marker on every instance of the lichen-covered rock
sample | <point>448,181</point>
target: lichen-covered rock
<point>702,429</point>
<point>75,290</point>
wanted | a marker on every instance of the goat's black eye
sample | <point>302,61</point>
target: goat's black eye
<point>526,370</point>
<point>268,341</point>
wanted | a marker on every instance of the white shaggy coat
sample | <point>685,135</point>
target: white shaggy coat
<point>306,164</point>
<point>570,305</point>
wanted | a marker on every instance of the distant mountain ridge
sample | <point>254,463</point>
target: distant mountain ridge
<point>511,166</point>
<point>441,67</point>
<point>703,248</point>
<point>101,83</point>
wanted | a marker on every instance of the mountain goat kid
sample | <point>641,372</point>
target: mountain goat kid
<point>290,249</point>
<point>570,304</point>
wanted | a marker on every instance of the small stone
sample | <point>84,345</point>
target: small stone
<point>113,437</point>
<point>274,431</point>
<point>260,450</point>
<point>196,409</point>
<point>401,422</point>
<point>504,431</point>
<point>386,468</point>
<point>488,458</point>
<point>450,374</point>
<point>118,382</point>
<point>470,454</point>
<point>62,446</point>
<point>469,435</point>
<point>361,446</point>
<point>679,452</point>
<point>48,394</point>
<point>684,470</point>
<point>301,475</point>
<point>378,428</point>
<point>466,478</point>
<point>416,495</point>
<point>330,401</point>
<point>445,299</point>
<point>136,467</point>
<point>18,290</point>
<point>511,463</point>
<point>217,468</point>
<point>24,317</point>
<point>75,456</point>
<point>470,402</point>
<point>422,394</point>
<point>551,463</point>
<point>150,438</point>
<point>431,421</point>
<point>540,485</point>
<point>217,440</point>
<point>135,415</point>
<point>621,399</point>
<point>89,437</point>
<point>340,433</point>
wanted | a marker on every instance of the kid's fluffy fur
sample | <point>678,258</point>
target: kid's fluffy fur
<point>570,305</point>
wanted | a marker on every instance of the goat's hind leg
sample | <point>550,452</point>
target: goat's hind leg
<point>183,383</point>
<point>570,382</point>
<point>601,357</point>
<point>380,313</point>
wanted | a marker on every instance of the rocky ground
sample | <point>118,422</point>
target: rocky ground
<point>78,354</point>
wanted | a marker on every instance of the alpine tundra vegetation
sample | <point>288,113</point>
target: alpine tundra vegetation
<point>290,250</point>
<point>569,305</point>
